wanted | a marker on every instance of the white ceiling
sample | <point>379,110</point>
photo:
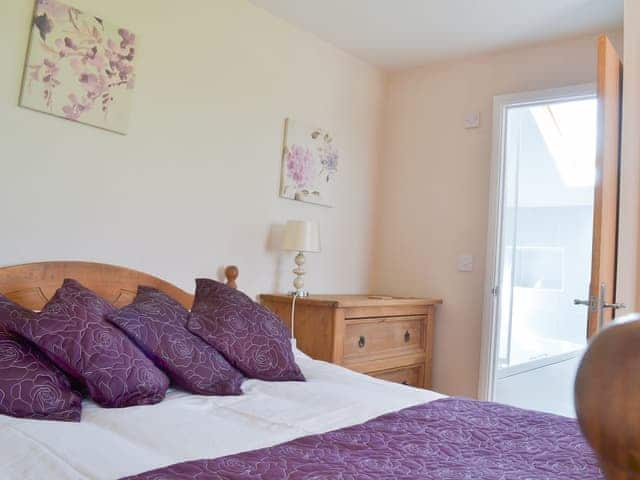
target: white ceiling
<point>405,33</point>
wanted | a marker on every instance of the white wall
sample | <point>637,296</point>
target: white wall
<point>435,193</point>
<point>195,184</point>
<point>629,274</point>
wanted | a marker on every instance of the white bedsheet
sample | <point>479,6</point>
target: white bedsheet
<point>112,443</point>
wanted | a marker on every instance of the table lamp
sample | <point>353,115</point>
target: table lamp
<point>301,236</point>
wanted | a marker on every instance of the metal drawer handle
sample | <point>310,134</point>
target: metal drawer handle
<point>361,342</point>
<point>407,336</point>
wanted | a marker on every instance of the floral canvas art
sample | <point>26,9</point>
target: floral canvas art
<point>79,67</point>
<point>309,164</point>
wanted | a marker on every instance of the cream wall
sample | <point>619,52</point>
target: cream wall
<point>435,193</point>
<point>630,188</point>
<point>194,185</point>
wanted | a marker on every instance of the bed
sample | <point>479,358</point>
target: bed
<point>337,424</point>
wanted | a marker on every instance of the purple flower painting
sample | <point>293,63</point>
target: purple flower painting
<point>309,165</point>
<point>79,67</point>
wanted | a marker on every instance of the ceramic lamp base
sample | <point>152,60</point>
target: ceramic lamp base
<point>300,272</point>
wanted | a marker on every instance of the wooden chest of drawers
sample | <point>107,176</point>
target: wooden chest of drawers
<point>389,338</point>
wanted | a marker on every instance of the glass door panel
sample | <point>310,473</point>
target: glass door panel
<point>547,223</point>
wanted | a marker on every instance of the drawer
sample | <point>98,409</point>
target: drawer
<point>383,336</point>
<point>407,375</point>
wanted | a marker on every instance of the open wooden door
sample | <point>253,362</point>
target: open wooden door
<point>602,290</point>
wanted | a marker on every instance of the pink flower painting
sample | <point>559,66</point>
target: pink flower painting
<point>300,165</point>
<point>79,67</point>
<point>309,165</point>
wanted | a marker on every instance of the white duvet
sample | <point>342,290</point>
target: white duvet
<point>112,443</point>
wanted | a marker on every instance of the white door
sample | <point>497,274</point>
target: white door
<point>543,257</point>
<point>553,236</point>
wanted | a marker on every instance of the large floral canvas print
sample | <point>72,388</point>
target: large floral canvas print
<point>79,67</point>
<point>309,164</point>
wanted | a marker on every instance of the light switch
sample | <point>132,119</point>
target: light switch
<point>472,120</point>
<point>465,263</point>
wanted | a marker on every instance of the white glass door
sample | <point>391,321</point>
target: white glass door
<point>545,251</point>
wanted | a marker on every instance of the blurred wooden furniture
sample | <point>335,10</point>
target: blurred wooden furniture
<point>385,337</point>
<point>608,398</point>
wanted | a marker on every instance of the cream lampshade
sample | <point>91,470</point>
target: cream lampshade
<point>301,236</point>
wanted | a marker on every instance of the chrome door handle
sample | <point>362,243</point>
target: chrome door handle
<point>615,306</point>
<point>598,304</point>
<point>587,303</point>
<point>592,303</point>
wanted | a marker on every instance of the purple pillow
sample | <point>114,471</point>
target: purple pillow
<point>253,339</point>
<point>72,331</point>
<point>157,324</point>
<point>30,385</point>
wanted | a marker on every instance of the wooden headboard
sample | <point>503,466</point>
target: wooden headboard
<point>33,284</point>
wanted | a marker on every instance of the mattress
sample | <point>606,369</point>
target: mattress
<point>114,443</point>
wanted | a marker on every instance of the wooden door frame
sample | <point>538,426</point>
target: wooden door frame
<point>501,104</point>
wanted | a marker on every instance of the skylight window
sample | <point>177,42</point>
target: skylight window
<point>569,130</point>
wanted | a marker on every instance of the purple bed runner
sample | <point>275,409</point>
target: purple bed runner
<point>448,439</point>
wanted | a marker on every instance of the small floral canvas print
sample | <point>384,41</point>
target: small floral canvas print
<point>309,164</point>
<point>79,67</point>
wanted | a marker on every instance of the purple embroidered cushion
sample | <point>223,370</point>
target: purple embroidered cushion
<point>253,339</point>
<point>30,385</point>
<point>157,324</point>
<point>72,331</point>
